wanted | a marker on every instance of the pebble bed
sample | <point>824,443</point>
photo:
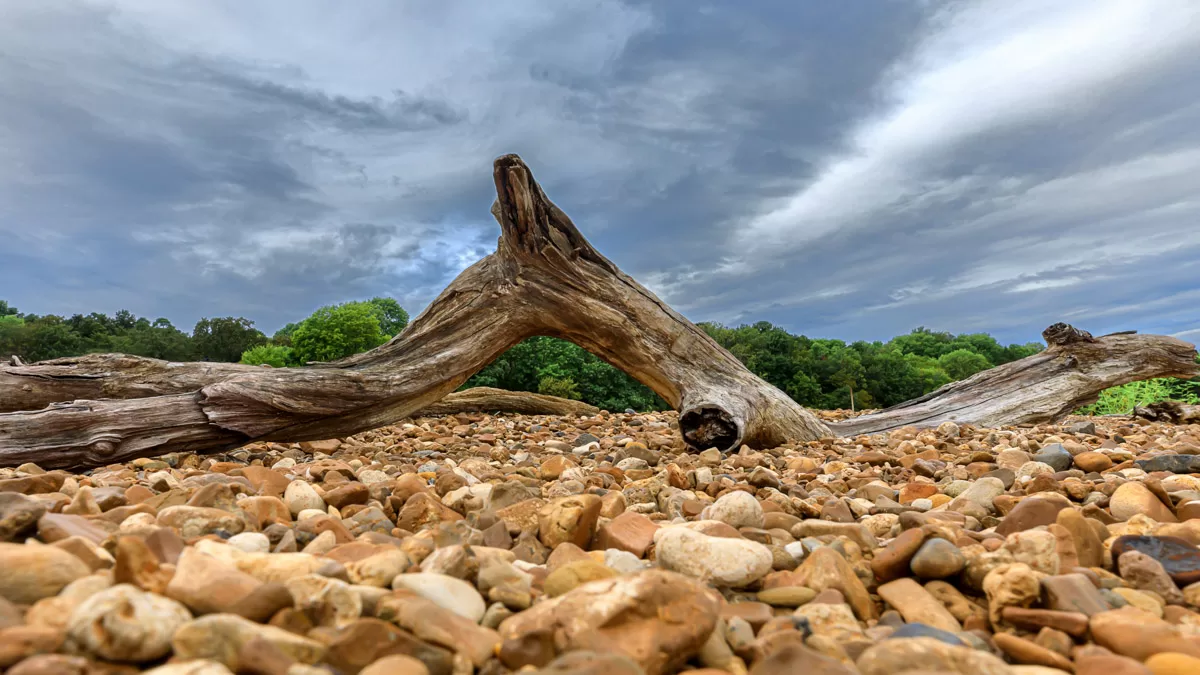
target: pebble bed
<point>508,543</point>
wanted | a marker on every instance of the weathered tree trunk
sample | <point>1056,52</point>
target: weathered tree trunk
<point>1045,387</point>
<point>543,279</point>
<point>120,376</point>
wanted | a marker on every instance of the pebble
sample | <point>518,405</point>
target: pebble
<point>124,623</point>
<point>736,509</point>
<point>453,594</point>
<point>597,544</point>
<point>1135,499</point>
<point>937,559</point>
<point>724,561</point>
<point>29,573</point>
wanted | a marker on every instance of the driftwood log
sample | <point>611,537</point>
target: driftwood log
<point>544,279</point>
<point>120,376</point>
<point>1070,373</point>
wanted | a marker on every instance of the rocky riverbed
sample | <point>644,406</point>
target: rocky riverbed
<point>495,544</point>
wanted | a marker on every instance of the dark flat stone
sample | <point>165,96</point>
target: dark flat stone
<point>1171,463</point>
<point>1179,558</point>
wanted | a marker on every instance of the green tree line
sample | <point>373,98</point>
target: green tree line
<point>330,333</point>
<point>819,373</point>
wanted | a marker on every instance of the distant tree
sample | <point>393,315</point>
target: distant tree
<point>804,389</point>
<point>125,319</point>
<point>49,337</point>
<point>283,336</point>
<point>962,363</point>
<point>929,370</point>
<point>8,310</point>
<point>923,342</point>
<point>1017,352</point>
<point>337,331</point>
<point>14,336</point>
<point>392,317</point>
<point>159,340</point>
<point>890,378</point>
<point>225,339</point>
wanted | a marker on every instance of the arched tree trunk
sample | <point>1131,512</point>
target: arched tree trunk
<point>544,279</point>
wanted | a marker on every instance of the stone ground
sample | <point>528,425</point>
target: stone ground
<point>597,545</point>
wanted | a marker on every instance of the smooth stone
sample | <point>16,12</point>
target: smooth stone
<point>1030,653</point>
<point>1147,574</point>
<point>916,605</point>
<point>124,623</point>
<point>251,542</point>
<point>1173,664</point>
<point>396,664</point>
<point>220,638</point>
<point>1138,634</point>
<point>1033,620</point>
<point>794,658</point>
<point>937,559</point>
<point>736,509</point>
<point>658,619</point>
<point>18,515</point>
<point>300,496</point>
<point>1093,461</point>
<point>1073,593</point>
<point>825,568</point>
<point>567,577</point>
<point>897,656</point>
<point>29,573</point>
<point>892,562</point>
<point>1133,499</point>
<point>719,560</point>
<point>1029,513</point>
<point>1055,455</point>
<point>448,592</point>
<point>787,596</point>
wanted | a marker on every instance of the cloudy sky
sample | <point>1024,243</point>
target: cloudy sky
<point>844,169</point>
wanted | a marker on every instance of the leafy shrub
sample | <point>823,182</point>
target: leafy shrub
<point>337,331</point>
<point>1123,399</point>
<point>562,387</point>
<point>276,356</point>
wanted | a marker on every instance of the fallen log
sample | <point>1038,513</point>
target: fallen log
<point>543,279</point>
<point>1070,373</point>
<point>120,376</point>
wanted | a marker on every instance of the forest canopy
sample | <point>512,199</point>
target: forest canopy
<point>818,373</point>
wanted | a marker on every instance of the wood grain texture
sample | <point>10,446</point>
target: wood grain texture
<point>119,376</point>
